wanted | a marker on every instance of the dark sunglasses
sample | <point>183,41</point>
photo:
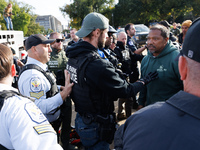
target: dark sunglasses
<point>59,40</point>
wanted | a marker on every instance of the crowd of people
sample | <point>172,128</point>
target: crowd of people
<point>98,67</point>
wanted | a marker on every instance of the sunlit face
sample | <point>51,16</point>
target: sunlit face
<point>43,52</point>
<point>109,39</point>
<point>174,25</point>
<point>184,29</point>
<point>155,42</point>
<point>122,37</point>
<point>132,30</point>
<point>57,45</point>
<point>102,38</point>
<point>9,5</point>
<point>73,35</point>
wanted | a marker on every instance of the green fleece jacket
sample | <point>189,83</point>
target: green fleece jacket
<point>168,82</point>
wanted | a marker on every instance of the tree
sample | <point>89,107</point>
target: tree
<point>80,8</point>
<point>23,19</point>
<point>33,27</point>
<point>3,4</point>
<point>145,11</point>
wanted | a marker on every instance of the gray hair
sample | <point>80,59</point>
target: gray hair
<point>163,29</point>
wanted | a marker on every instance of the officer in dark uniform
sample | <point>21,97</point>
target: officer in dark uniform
<point>57,65</point>
<point>109,53</point>
<point>96,84</point>
<point>128,59</point>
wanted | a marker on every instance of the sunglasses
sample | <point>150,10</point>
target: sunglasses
<point>59,40</point>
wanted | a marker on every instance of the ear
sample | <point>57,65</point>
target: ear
<point>33,49</point>
<point>13,70</point>
<point>97,32</point>
<point>182,65</point>
<point>166,39</point>
<point>127,31</point>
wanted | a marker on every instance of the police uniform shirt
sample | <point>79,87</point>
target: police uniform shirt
<point>34,84</point>
<point>131,44</point>
<point>23,126</point>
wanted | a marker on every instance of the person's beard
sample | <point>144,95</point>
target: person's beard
<point>101,42</point>
<point>58,48</point>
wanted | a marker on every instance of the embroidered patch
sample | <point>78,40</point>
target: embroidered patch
<point>34,113</point>
<point>53,64</point>
<point>36,85</point>
<point>37,95</point>
<point>130,42</point>
<point>44,129</point>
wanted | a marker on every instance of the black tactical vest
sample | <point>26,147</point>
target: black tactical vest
<point>51,78</point>
<point>87,99</point>
<point>6,94</point>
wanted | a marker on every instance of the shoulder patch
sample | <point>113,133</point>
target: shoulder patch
<point>130,42</point>
<point>44,129</point>
<point>37,95</point>
<point>34,113</point>
<point>36,84</point>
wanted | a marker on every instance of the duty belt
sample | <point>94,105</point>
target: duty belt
<point>89,118</point>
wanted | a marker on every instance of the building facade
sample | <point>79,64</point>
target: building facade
<point>49,22</point>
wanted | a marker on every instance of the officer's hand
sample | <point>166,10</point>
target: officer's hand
<point>150,77</point>
<point>68,86</point>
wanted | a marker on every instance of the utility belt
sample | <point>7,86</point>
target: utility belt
<point>107,124</point>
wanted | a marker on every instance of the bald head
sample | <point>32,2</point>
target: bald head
<point>122,36</point>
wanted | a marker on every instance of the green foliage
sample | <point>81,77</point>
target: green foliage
<point>3,4</point>
<point>145,11</point>
<point>33,27</point>
<point>20,19</point>
<point>80,8</point>
<point>23,19</point>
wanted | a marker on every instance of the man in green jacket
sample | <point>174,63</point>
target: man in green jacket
<point>161,58</point>
<point>57,65</point>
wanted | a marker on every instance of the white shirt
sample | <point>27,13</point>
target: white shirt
<point>33,83</point>
<point>23,126</point>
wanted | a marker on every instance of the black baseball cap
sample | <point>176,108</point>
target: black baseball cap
<point>191,44</point>
<point>37,39</point>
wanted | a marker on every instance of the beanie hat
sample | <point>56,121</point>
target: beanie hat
<point>187,23</point>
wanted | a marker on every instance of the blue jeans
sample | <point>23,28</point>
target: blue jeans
<point>9,24</point>
<point>89,135</point>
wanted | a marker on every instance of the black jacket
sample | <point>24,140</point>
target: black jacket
<point>100,75</point>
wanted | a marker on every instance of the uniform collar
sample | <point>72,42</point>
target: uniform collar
<point>187,103</point>
<point>36,62</point>
<point>7,87</point>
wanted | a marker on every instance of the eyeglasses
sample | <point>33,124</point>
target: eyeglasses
<point>59,40</point>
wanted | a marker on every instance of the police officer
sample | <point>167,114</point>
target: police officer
<point>108,53</point>
<point>36,82</point>
<point>74,37</point>
<point>96,84</point>
<point>23,126</point>
<point>57,65</point>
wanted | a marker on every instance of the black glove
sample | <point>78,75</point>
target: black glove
<point>150,77</point>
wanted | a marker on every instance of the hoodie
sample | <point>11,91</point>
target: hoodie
<point>168,82</point>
